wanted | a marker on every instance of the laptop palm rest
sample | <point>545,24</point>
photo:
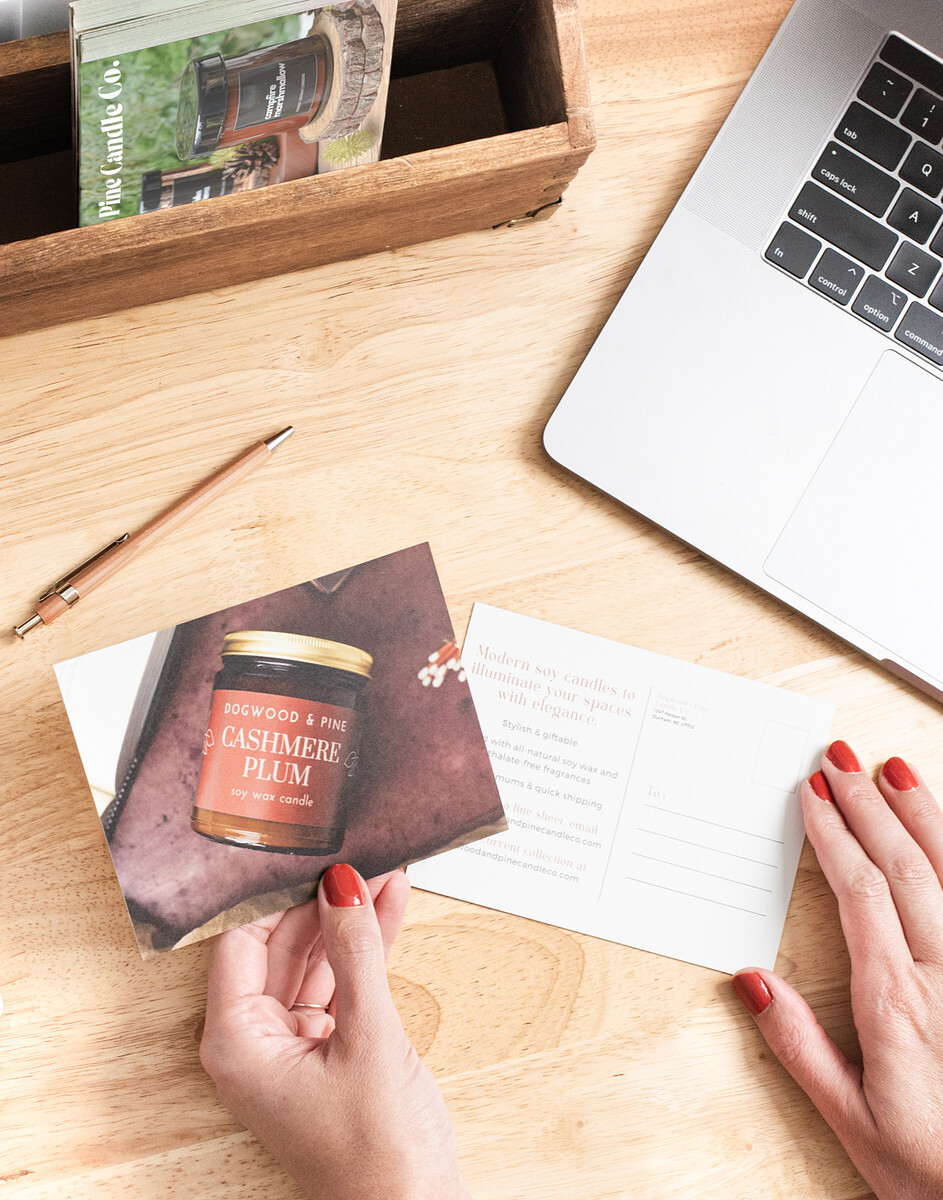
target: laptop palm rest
<point>863,543</point>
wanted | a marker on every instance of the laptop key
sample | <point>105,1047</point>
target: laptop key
<point>922,330</point>
<point>924,115</point>
<point>831,219</point>
<point>836,276</point>
<point>913,62</point>
<point>872,136</point>
<point>885,90</point>
<point>914,215</point>
<point>793,249</point>
<point>856,179</point>
<point>923,168</point>
<point>880,303</point>
<point>913,269</point>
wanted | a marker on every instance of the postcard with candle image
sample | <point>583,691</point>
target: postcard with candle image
<point>234,757</point>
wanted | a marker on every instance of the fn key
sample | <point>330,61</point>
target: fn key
<point>793,249</point>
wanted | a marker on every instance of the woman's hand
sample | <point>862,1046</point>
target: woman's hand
<point>881,850</point>
<point>304,1044</point>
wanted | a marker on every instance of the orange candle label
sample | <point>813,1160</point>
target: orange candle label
<point>277,758</point>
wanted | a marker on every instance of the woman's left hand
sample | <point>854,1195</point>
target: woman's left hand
<point>305,1046</point>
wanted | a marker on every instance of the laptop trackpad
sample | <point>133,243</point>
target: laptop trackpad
<point>864,541</point>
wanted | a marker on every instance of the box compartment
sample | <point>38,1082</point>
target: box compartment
<point>488,120</point>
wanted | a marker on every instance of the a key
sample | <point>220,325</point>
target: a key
<point>913,62</point>
<point>913,269</point>
<point>924,115</point>
<point>856,179</point>
<point>914,215</point>
<point>880,303</point>
<point>923,168</point>
<point>793,249</point>
<point>872,136</point>
<point>836,276</point>
<point>922,330</point>
<point>827,217</point>
<point>885,90</point>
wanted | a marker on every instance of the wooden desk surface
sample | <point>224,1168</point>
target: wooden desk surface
<point>419,382</point>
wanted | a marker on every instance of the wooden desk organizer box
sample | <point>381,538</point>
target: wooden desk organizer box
<point>508,74</point>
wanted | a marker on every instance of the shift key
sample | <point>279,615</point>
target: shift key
<point>847,228</point>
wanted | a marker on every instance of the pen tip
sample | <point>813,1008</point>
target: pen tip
<point>22,630</point>
<point>276,440</point>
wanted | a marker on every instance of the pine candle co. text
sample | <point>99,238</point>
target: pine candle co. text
<point>281,743</point>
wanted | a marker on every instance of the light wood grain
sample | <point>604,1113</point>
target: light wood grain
<point>419,381</point>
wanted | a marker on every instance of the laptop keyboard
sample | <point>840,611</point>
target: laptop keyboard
<point>865,229</point>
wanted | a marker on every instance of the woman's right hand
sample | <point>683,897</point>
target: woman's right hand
<point>881,850</point>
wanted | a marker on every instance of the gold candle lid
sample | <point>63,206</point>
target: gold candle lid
<point>299,647</point>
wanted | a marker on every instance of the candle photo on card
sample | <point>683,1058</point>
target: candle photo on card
<point>236,756</point>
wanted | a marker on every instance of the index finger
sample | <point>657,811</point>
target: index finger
<point>238,966</point>
<point>290,948</point>
<point>869,917</point>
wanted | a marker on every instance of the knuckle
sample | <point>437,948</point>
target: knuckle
<point>891,1004</point>
<point>297,948</point>
<point>859,793</point>
<point>922,809</point>
<point>221,1059</point>
<point>226,1077</point>
<point>864,883</point>
<point>894,1004</point>
<point>792,1045</point>
<point>213,1058</point>
<point>358,938</point>
<point>909,868</point>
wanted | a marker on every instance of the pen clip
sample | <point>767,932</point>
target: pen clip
<point>65,580</point>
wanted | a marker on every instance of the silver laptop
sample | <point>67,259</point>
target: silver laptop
<point>770,386</point>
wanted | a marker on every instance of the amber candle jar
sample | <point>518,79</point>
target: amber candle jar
<point>227,101</point>
<point>282,742</point>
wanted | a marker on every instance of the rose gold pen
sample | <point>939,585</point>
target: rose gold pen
<point>62,595</point>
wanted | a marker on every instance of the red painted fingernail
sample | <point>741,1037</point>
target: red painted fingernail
<point>819,784</point>
<point>841,755</point>
<point>899,775</point>
<point>752,991</point>
<point>343,887</point>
